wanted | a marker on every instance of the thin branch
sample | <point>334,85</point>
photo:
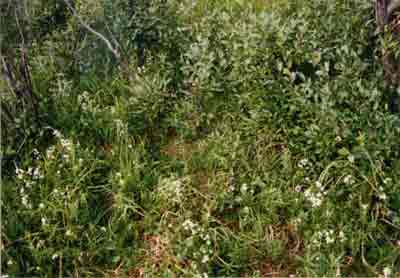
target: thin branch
<point>113,49</point>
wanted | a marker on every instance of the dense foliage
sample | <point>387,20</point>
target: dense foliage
<point>230,138</point>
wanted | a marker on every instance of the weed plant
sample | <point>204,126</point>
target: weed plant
<point>255,140</point>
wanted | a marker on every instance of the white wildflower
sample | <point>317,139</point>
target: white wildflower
<point>40,243</point>
<point>351,158</point>
<point>364,206</point>
<point>243,188</point>
<point>68,233</point>
<point>329,237</point>
<point>382,196</point>
<point>50,152</point>
<point>188,224</point>
<point>34,173</point>
<point>10,262</point>
<point>35,153</point>
<point>315,199</point>
<point>41,206</point>
<point>57,134</point>
<point>303,163</point>
<point>205,259</point>
<point>55,256</point>
<point>25,200</point>
<point>20,173</point>
<point>387,271</point>
<point>67,144</point>
<point>348,179</point>
<point>44,221</point>
<point>387,180</point>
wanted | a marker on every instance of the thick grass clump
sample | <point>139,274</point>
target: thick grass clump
<point>255,140</point>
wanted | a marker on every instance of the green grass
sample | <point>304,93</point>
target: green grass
<point>239,168</point>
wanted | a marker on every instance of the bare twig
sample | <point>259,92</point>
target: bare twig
<point>110,46</point>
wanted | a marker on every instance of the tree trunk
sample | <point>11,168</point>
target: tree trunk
<point>388,23</point>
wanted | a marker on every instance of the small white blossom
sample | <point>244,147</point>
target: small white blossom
<point>364,206</point>
<point>55,256</point>
<point>67,144</point>
<point>351,158</point>
<point>25,200</point>
<point>10,262</point>
<point>243,188</point>
<point>57,134</point>
<point>387,180</point>
<point>34,173</point>
<point>303,163</point>
<point>44,221</point>
<point>382,196</point>
<point>205,259</point>
<point>68,233</point>
<point>387,271</point>
<point>314,198</point>
<point>50,152</point>
<point>35,153</point>
<point>348,179</point>
<point>20,173</point>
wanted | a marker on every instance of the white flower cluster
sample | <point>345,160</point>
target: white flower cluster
<point>50,153</point>
<point>172,188</point>
<point>349,180</point>
<point>32,174</point>
<point>28,178</point>
<point>35,173</point>
<point>381,194</point>
<point>244,190</point>
<point>387,272</point>
<point>85,101</point>
<point>387,181</point>
<point>198,233</point>
<point>315,196</point>
<point>304,163</point>
<point>328,237</point>
<point>66,146</point>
